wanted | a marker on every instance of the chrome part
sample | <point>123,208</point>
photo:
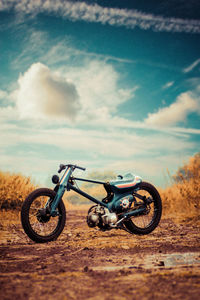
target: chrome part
<point>122,219</point>
<point>109,218</point>
<point>100,210</point>
<point>94,218</point>
<point>101,217</point>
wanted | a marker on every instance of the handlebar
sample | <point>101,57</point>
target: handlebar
<point>81,168</point>
<point>62,167</point>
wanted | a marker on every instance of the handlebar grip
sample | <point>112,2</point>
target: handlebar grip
<point>61,167</point>
<point>81,168</point>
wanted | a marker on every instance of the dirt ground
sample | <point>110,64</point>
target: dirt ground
<point>85,263</point>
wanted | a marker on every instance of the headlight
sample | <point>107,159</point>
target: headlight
<point>55,179</point>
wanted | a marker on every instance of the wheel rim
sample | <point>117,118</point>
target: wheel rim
<point>42,225</point>
<point>145,220</point>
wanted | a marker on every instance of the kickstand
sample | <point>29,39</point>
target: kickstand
<point>121,226</point>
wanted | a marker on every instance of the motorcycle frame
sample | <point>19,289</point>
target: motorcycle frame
<point>64,185</point>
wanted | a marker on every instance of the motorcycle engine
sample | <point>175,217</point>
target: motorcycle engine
<point>101,217</point>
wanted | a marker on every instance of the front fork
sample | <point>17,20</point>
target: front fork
<point>53,210</point>
<point>60,192</point>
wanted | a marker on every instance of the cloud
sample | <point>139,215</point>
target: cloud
<point>63,51</point>
<point>192,66</point>
<point>3,94</point>
<point>168,85</point>
<point>42,94</point>
<point>98,84</point>
<point>90,93</point>
<point>34,43</point>
<point>100,149</point>
<point>105,145</point>
<point>78,10</point>
<point>176,112</point>
<point>7,113</point>
<point>55,52</point>
<point>4,98</point>
<point>94,101</point>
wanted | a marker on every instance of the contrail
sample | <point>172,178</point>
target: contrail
<point>81,11</point>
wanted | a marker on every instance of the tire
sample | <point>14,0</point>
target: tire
<point>137,225</point>
<point>46,228</point>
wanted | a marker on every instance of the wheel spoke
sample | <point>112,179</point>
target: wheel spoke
<point>144,221</point>
<point>41,224</point>
<point>38,224</point>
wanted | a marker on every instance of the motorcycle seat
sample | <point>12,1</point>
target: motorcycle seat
<point>128,181</point>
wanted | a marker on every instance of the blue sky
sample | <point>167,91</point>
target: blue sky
<point>110,85</point>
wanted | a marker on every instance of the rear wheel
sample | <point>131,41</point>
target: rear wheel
<point>36,219</point>
<point>149,220</point>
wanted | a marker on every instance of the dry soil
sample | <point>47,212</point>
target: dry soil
<point>85,263</point>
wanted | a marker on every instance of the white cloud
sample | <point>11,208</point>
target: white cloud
<point>54,52</point>
<point>105,145</point>
<point>42,94</point>
<point>99,89</point>
<point>4,98</point>
<point>90,93</point>
<point>176,112</point>
<point>7,113</point>
<point>168,84</point>
<point>183,130</point>
<point>118,150</point>
<point>34,44</point>
<point>3,94</point>
<point>192,66</point>
<point>100,95</point>
<point>63,51</point>
<point>95,13</point>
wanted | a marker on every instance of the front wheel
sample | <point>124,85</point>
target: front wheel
<point>36,219</point>
<point>149,220</point>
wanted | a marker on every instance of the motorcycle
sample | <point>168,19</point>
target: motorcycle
<point>130,204</point>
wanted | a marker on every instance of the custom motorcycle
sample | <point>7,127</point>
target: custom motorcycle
<point>130,204</point>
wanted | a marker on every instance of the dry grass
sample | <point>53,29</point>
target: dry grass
<point>14,188</point>
<point>182,200</point>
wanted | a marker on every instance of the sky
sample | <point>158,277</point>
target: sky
<point>109,85</point>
